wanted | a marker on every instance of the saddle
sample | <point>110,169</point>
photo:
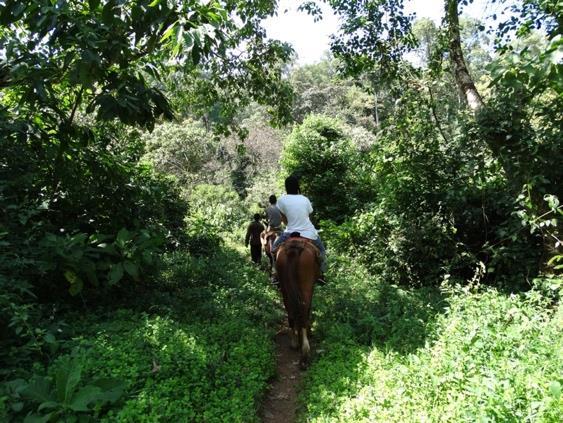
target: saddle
<point>297,236</point>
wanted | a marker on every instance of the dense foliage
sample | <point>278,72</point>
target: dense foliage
<point>193,346</point>
<point>139,137</point>
<point>452,193</point>
<point>81,215</point>
<point>324,155</point>
<point>395,355</point>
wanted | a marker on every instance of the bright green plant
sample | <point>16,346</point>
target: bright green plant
<point>203,235</point>
<point>218,205</point>
<point>389,354</point>
<point>101,260</point>
<point>322,155</point>
<point>180,149</point>
<point>64,397</point>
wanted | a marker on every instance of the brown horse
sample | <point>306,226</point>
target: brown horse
<point>268,238</point>
<point>298,268</point>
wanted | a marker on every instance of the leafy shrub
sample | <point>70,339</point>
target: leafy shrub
<point>196,346</point>
<point>180,149</point>
<point>203,236</point>
<point>101,260</point>
<point>405,249</point>
<point>61,397</point>
<point>442,206</point>
<point>323,156</point>
<point>218,205</point>
<point>447,354</point>
<point>46,233</point>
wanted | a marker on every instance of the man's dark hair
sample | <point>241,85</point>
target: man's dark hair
<point>257,217</point>
<point>273,199</point>
<point>292,185</point>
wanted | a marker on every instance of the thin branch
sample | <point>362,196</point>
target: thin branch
<point>525,227</point>
<point>76,104</point>
<point>436,116</point>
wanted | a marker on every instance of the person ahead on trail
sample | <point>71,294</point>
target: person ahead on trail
<point>295,209</point>
<point>273,214</point>
<point>253,237</point>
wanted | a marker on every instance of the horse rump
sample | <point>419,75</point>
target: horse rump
<point>298,269</point>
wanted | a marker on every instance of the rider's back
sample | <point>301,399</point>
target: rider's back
<point>297,208</point>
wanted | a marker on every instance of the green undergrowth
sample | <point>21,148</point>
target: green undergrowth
<point>387,354</point>
<point>194,347</point>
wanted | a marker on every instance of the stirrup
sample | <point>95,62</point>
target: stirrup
<point>274,279</point>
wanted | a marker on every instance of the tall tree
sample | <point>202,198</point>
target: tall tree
<point>113,56</point>
<point>461,72</point>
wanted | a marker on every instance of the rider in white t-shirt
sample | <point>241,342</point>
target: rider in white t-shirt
<point>295,209</point>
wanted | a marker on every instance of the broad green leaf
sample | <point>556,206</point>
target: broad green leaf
<point>38,390</point>
<point>116,273</point>
<point>67,378</point>
<point>49,338</point>
<point>48,405</point>
<point>169,31</point>
<point>84,397</point>
<point>112,389</point>
<point>132,269</point>
<point>123,236</point>
<point>555,389</point>
<point>36,418</point>
<point>188,41</point>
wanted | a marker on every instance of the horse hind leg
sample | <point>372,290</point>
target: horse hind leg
<point>270,254</point>
<point>305,348</point>
<point>271,258</point>
<point>294,339</point>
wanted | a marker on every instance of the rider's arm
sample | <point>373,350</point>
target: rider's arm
<point>247,238</point>
<point>284,219</point>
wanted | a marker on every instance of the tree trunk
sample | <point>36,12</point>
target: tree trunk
<point>461,73</point>
<point>376,111</point>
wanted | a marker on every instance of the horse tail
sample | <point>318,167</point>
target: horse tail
<point>294,251</point>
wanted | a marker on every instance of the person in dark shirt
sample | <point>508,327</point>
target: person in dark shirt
<point>253,238</point>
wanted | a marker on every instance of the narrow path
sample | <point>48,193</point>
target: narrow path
<point>280,405</point>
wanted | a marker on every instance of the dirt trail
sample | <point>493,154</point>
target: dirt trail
<point>280,405</point>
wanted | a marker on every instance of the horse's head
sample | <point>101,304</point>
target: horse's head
<point>269,239</point>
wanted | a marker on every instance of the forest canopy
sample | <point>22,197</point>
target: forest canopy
<point>138,137</point>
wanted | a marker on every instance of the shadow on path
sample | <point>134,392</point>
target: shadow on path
<point>280,403</point>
